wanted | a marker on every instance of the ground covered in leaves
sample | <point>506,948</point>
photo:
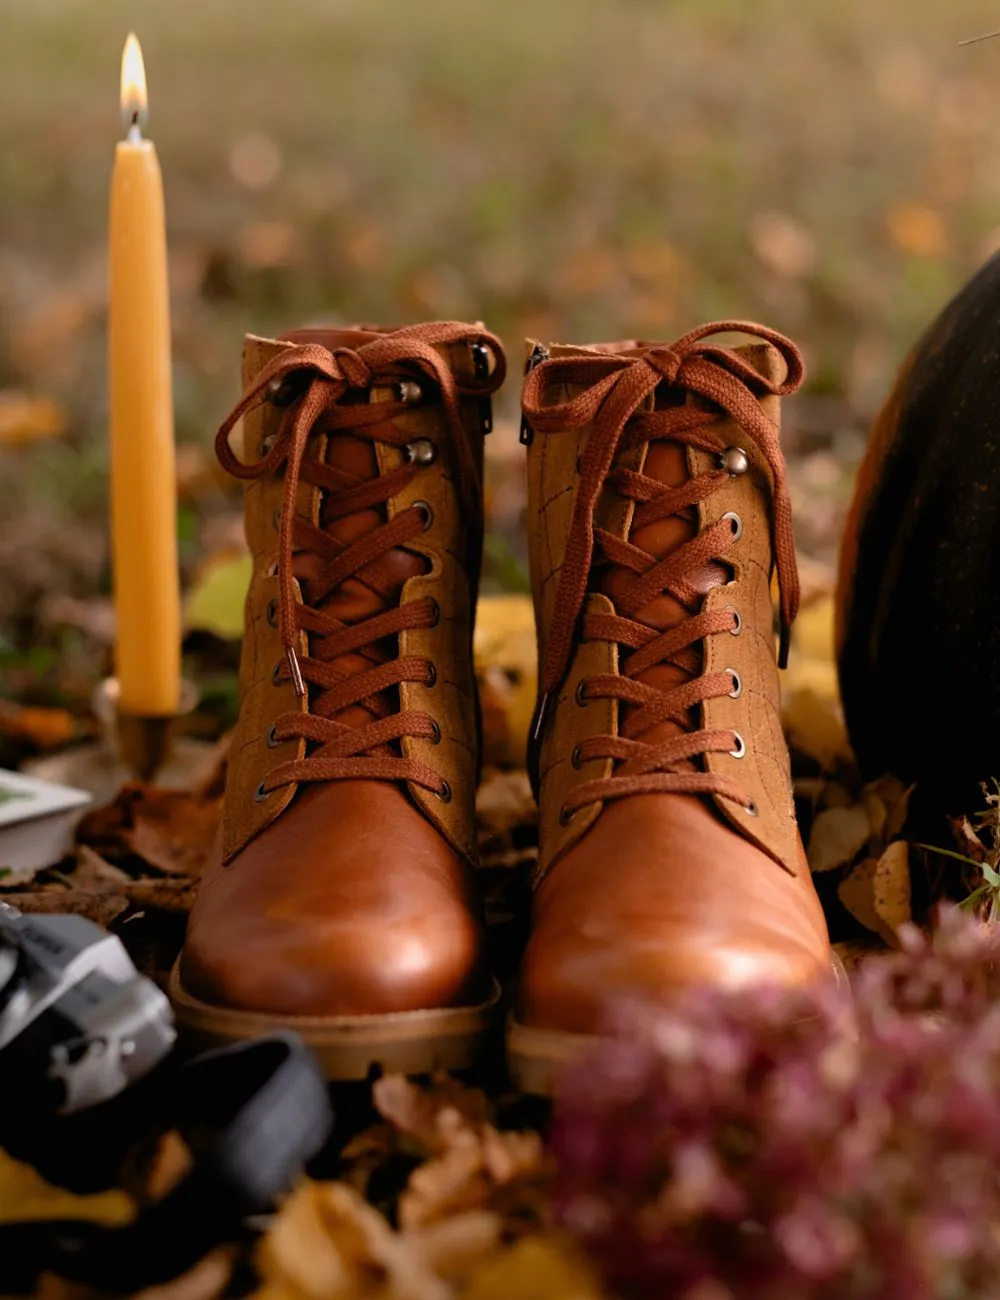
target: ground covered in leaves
<point>561,170</point>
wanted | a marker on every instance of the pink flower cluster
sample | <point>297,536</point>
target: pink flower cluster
<point>764,1146</point>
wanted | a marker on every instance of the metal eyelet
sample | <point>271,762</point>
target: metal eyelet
<point>272,740</point>
<point>581,699</point>
<point>575,759</point>
<point>272,613</point>
<point>425,511</point>
<point>276,678</point>
<point>734,461</point>
<point>276,520</point>
<point>737,690</point>
<point>260,794</point>
<point>445,793</point>
<point>283,391</point>
<point>736,524</point>
<point>272,569</point>
<point>409,392</point>
<point>435,736</point>
<point>737,627</point>
<point>751,809</point>
<point>566,816</point>
<point>741,746</point>
<point>421,452</point>
<point>432,680</point>
<point>436,610</point>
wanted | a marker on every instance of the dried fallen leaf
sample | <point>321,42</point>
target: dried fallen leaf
<point>917,229</point>
<point>25,1195</point>
<point>327,1243</point>
<point>506,670</point>
<point>536,1268</point>
<point>814,725</point>
<point>838,836</point>
<point>434,1118</point>
<point>877,891</point>
<point>170,830</point>
<point>29,419</point>
<point>40,727</point>
<point>205,1281</point>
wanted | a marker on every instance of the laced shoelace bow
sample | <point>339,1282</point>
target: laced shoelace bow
<point>323,377</point>
<point>615,387</point>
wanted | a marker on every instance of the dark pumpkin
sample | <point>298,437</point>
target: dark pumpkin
<point>918,599</point>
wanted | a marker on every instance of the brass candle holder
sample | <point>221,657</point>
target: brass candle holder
<point>144,743</point>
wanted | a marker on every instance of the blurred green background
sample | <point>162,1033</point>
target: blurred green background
<point>570,169</point>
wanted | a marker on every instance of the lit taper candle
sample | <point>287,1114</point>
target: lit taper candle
<point>143,479</point>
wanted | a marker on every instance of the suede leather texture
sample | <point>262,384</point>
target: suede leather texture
<point>644,895</point>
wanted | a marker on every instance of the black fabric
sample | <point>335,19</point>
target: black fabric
<point>253,1114</point>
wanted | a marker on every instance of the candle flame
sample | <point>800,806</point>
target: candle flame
<point>133,100</point>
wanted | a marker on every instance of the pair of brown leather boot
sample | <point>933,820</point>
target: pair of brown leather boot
<point>343,900</point>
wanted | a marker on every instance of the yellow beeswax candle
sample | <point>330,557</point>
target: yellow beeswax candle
<point>143,480</point>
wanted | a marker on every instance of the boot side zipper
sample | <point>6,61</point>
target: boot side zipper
<point>539,353</point>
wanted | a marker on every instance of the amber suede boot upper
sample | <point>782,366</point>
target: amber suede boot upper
<point>341,899</point>
<point>669,848</point>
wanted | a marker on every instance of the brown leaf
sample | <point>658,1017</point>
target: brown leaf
<point>175,895</point>
<point>205,1281</point>
<point>25,1195</point>
<point>966,839</point>
<point>877,891</point>
<point>101,906</point>
<point>536,1268</point>
<point>838,835</point>
<point>170,830</point>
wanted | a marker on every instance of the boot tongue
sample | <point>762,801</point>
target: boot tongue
<point>354,601</point>
<point>667,463</point>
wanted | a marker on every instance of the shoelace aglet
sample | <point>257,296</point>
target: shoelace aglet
<point>541,716</point>
<point>784,643</point>
<point>294,671</point>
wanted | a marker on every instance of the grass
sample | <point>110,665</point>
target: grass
<point>559,168</point>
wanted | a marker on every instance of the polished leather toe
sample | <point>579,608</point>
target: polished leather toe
<point>661,895</point>
<point>347,907</point>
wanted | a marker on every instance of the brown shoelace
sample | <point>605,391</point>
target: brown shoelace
<point>615,387</point>
<point>320,379</point>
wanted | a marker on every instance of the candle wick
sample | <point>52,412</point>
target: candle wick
<point>135,130</point>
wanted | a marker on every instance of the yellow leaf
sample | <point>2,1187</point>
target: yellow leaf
<point>29,419</point>
<point>838,835</point>
<point>215,602</point>
<point>506,669</point>
<point>813,636</point>
<point>917,229</point>
<point>25,1195</point>
<point>877,892</point>
<point>536,1268</point>
<point>814,724</point>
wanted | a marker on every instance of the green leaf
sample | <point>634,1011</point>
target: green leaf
<point>992,876</point>
<point>950,853</point>
<point>974,897</point>
<point>215,602</point>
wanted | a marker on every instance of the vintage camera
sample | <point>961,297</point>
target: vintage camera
<point>78,1023</point>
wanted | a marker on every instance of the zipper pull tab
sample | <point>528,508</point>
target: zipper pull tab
<point>481,369</point>
<point>539,353</point>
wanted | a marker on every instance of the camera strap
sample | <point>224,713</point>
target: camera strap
<point>253,1115</point>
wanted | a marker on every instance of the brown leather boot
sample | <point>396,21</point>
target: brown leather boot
<point>669,849</point>
<point>341,901</point>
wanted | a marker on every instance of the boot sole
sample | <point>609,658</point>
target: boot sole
<point>348,1048</point>
<point>536,1056</point>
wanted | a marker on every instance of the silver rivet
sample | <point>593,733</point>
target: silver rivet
<point>421,452</point>
<point>409,392</point>
<point>751,809</point>
<point>741,746</point>
<point>425,511</point>
<point>737,627</point>
<point>737,690</point>
<point>734,461</point>
<point>735,523</point>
